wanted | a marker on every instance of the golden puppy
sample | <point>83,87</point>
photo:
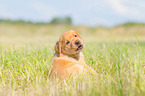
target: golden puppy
<point>68,59</point>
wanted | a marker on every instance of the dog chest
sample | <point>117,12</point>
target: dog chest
<point>75,69</point>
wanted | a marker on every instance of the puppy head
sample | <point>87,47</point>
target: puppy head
<point>69,43</point>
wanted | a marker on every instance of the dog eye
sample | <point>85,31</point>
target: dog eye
<point>67,42</point>
<point>75,35</point>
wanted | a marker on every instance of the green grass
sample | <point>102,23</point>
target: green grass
<point>122,65</point>
<point>24,62</point>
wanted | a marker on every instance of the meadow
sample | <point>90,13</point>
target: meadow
<point>117,53</point>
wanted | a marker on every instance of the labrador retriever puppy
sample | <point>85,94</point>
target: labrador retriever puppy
<point>68,59</point>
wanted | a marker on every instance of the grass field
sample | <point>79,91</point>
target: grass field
<point>118,53</point>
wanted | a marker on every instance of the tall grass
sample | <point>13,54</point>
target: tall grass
<point>25,58</point>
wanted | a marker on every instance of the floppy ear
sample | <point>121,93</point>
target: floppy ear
<point>58,47</point>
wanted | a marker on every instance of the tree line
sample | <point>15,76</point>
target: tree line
<point>56,21</point>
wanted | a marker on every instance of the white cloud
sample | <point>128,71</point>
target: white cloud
<point>128,8</point>
<point>136,9</point>
<point>118,6</point>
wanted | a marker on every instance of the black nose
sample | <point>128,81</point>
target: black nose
<point>77,42</point>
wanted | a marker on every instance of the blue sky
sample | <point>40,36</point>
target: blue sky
<point>82,12</point>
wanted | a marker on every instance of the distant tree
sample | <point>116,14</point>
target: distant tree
<point>130,24</point>
<point>66,20</point>
<point>14,21</point>
<point>19,21</point>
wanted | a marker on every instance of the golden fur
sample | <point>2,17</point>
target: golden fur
<point>68,59</point>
